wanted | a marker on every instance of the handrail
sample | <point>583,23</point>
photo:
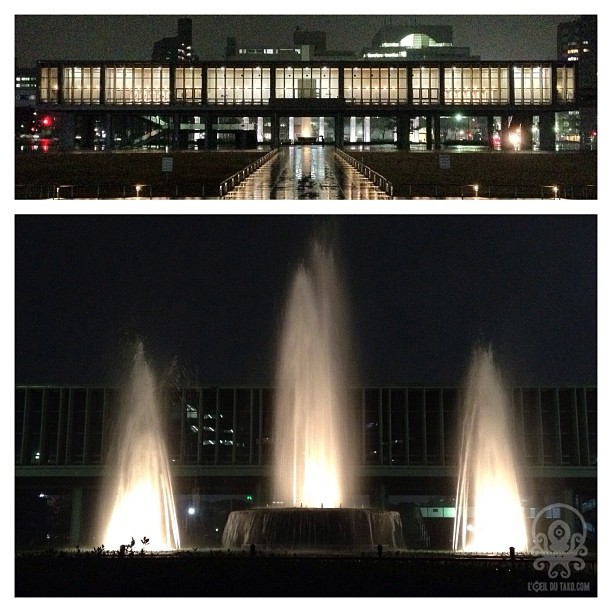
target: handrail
<point>233,181</point>
<point>378,179</point>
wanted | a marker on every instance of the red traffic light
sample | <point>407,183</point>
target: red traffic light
<point>46,121</point>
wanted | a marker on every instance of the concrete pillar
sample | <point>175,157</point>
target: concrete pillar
<point>490,130</point>
<point>108,125</point>
<point>353,129</point>
<point>339,130</point>
<point>366,129</point>
<point>275,125</point>
<point>383,496</point>
<point>547,131</point>
<point>260,129</point>
<point>291,129</point>
<point>76,516</point>
<point>403,132</point>
<point>321,127</point>
<point>66,131</point>
<point>211,134</point>
<point>428,132</point>
<point>436,132</point>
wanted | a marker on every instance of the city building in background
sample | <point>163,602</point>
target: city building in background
<point>179,48</point>
<point>416,42</point>
<point>577,42</point>
<point>307,45</point>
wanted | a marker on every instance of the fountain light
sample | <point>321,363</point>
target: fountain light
<point>315,433</point>
<point>138,499</point>
<point>488,487</point>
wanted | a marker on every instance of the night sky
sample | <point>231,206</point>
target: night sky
<point>206,294</point>
<point>131,37</point>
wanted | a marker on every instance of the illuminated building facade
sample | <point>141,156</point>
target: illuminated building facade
<point>220,445</point>
<point>418,97</point>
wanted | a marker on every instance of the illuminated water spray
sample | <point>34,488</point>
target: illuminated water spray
<point>139,501</point>
<point>313,431</point>
<point>488,512</point>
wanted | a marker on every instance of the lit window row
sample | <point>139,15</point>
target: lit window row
<point>81,85</point>
<point>375,85</point>
<point>128,85</point>
<point>309,82</point>
<point>475,85</point>
<point>238,85</point>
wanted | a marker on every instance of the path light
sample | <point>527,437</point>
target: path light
<point>138,188</point>
<point>555,191</point>
<point>475,191</point>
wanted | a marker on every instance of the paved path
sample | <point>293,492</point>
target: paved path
<point>306,173</point>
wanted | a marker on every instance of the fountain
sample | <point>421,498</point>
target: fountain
<point>138,500</point>
<point>489,517</point>
<point>314,442</point>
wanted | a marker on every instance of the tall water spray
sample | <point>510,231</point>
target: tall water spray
<point>138,497</point>
<point>314,434</point>
<point>488,512</point>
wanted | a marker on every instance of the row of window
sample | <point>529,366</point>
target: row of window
<point>482,85</point>
<point>398,426</point>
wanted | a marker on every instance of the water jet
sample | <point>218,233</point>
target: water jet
<point>315,433</point>
<point>138,501</point>
<point>489,516</point>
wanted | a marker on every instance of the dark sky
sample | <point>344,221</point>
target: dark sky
<point>131,37</point>
<point>207,293</point>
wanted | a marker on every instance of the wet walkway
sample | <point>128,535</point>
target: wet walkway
<point>306,173</point>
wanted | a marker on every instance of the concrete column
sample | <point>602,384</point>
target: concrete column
<point>366,129</point>
<point>66,131</point>
<point>353,129</point>
<point>108,126</point>
<point>275,128</point>
<point>292,129</point>
<point>383,495</point>
<point>322,127</point>
<point>547,131</point>
<point>428,130</point>
<point>76,515</point>
<point>490,130</point>
<point>211,135</point>
<point>436,132</point>
<point>339,130</point>
<point>403,132</point>
<point>527,133</point>
<point>260,129</point>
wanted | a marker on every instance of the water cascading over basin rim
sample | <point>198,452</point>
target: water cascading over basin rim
<point>322,529</point>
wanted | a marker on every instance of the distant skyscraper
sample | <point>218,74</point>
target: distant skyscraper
<point>577,42</point>
<point>176,48</point>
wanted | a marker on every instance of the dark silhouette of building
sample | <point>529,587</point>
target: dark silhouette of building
<point>179,48</point>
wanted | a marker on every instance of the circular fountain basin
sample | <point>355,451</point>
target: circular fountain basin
<point>324,529</point>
